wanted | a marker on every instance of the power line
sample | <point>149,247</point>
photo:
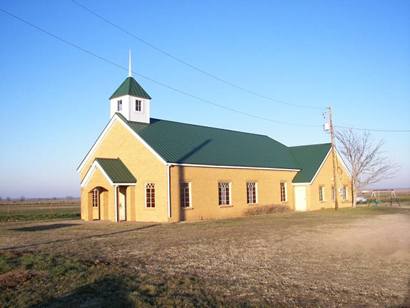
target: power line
<point>76,46</point>
<point>198,98</point>
<point>375,129</point>
<point>194,67</point>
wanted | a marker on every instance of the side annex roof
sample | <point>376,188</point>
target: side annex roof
<point>310,158</point>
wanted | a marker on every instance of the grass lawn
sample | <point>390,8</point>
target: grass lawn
<point>324,258</point>
<point>39,210</point>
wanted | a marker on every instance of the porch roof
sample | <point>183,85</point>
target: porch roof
<point>116,170</point>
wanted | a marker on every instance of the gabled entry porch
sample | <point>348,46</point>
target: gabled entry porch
<point>112,184</point>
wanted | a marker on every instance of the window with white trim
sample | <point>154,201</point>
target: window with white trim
<point>96,197</point>
<point>119,105</point>
<point>283,192</point>
<point>343,192</point>
<point>224,191</point>
<point>185,195</point>
<point>150,195</point>
<point>251,193</point>
<point>138,105</point>
<point>321,193</point>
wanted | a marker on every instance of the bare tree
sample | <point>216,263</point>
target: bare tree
<point>365,159</point>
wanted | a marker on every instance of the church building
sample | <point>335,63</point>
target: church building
<point>153,170</point>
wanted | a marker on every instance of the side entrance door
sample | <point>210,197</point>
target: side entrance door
<point>300,198</point>
<point>122,203</point>
<point>96,203</point>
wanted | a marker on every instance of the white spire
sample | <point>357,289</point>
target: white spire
<point>129,63</point>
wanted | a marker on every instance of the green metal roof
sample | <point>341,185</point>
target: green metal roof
<point>309,157</point>
<point>130,87</point>
<point>116,170</point>
<point>193,144</point>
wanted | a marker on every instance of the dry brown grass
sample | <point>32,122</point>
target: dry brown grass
<point>267,209</point>
<point>325,258</point>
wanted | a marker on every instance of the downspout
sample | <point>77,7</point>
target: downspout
<point>115,203</point>
<point>169,190</point>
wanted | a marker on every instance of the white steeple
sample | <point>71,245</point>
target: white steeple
<point>130,99</point>
<point>129,63</point>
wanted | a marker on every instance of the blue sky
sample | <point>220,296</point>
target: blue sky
<point>352,55</point>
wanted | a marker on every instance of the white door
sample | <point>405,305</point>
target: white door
<point>121,203</point>
<point>300,198</point>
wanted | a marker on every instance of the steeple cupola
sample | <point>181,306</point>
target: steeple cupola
<point>131,100</point>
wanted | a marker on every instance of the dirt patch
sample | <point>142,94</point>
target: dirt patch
<point>13,278</point>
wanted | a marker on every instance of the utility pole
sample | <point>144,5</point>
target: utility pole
<point>333,149</point>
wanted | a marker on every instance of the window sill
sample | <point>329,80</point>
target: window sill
<point>187,208</point>
<point>149,208</point>
<point>225,205</point>
<point>252,204</point>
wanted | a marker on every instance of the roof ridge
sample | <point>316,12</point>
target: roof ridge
<point>206,126</point>
<point>189,151</point>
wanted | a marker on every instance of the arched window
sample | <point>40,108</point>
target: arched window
<point>283,192</point>
<point>150,195</point>
<point>251,193</point>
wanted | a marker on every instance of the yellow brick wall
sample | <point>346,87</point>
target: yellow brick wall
<point>325,178</point>
<point>204,186</point>
<point>119,142</point>
<point>147,168</point>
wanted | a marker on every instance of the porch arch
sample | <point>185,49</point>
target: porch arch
<point>98,203</point>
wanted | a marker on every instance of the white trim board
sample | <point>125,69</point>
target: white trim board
<point>232,167</point>
<point>138,137</point>
<point>339,158</point>
<point>321,165</point>
<point>114,118</point>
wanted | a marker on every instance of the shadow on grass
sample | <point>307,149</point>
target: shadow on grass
<point>79,238</point>
<point>122,291</point>
<point>43,227</point>
<point>108,292</point>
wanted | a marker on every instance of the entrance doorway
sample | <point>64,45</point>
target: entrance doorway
<point>300,198</point>
<point>96,203</point>
<point>122,203</point>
